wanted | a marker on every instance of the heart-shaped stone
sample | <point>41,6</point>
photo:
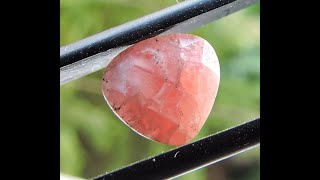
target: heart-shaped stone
<point>164,87</point>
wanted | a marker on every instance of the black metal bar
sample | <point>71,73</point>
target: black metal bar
<point>141,28</point>
<point>193,156</point>
<point>136,30</point>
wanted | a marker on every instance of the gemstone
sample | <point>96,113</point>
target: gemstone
<point>164,87</point>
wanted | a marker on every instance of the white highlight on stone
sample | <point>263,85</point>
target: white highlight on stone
<point>187,42</point>
<point>208,54</point>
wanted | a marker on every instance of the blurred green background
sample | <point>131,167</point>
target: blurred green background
<point>93,141</point>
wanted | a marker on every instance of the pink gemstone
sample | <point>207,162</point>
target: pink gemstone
<point>164,87</point>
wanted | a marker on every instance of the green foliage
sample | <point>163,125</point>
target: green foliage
<point>94,141</point>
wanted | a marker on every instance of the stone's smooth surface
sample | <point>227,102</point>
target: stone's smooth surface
<point>164,87</point>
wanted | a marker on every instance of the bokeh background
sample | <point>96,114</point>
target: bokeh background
<point>93,141</point>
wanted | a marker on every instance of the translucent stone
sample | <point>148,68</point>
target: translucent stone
<point>164,87</point>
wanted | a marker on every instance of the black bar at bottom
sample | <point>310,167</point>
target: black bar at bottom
<point>192,156</point>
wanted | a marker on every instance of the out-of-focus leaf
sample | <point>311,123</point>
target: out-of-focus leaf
<point>245,66</point>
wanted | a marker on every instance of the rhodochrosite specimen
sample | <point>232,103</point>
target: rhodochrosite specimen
<point>164,87</point>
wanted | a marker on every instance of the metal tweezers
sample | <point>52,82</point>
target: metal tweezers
<point>95,52</point>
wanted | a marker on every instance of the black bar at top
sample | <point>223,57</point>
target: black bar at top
<point>192,156</point>
<point>138,29</point>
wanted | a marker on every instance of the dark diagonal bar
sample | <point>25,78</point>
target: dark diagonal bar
<point>193,156</point>
<point>95,52</point>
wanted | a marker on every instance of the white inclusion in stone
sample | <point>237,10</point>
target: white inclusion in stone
<point>146,64</point>
<point>120,83</point>
<point>187,42</point>
<point>158,98</point>
<point>119,86</point>
<point>143,65</point>
<point>210,58</point>
<point>183,56</point>
<point>152,51</point>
